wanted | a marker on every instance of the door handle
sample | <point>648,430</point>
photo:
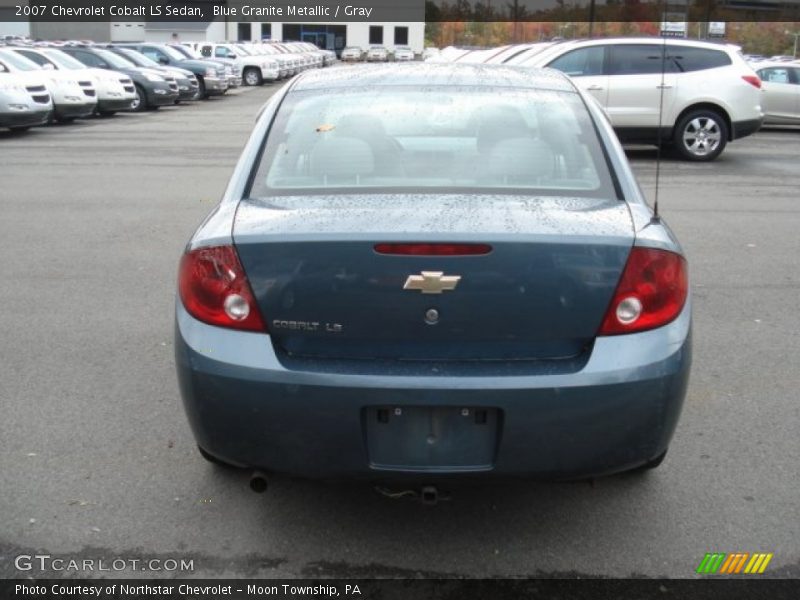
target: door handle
<point>594,88</point>
<point>664,86</point>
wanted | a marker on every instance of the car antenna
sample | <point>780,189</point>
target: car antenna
<point>656,218</point>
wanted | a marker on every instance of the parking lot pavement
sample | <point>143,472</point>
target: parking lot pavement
<point>98,461</point>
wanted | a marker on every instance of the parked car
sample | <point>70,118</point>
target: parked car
<point>448,54</point>
<point>783,58</point>
<point>697,95</point>
<point>413,277</point>
<point>232,69</point>
<point>377,54</point>
<point>328,56</point>
<point>255,69</point>
<point>403,53</point>
<point>22,105</point>
<point>312,57</point>
<point>114,92</point>
<point>352,54</point>
<point>429,52</point>
<point>302,60</point>
<point>286,64</point>
<point>527,52</point>
<point>484,55</point>
<point>68,100</point>
<point>780,82</point>
<point>188,88</point>
<point>211,77</point>
<point>152,89</point>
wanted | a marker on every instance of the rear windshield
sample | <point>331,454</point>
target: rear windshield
<point>697,59</point>
<point>397,138</point>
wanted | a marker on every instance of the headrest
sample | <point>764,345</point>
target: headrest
<point>521,159</point>
<point>498,123</point>
<point>341,156</point>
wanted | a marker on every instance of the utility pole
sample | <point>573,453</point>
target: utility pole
<point>796,34</point>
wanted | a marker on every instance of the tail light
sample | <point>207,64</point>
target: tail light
<point>214,289</point>
<point>753,80</point>
<point>417,249</point>
<point>651,292</point>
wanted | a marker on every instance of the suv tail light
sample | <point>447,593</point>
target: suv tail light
<point>651,292</point>
<point>215,290</point>
<point>753,80</point>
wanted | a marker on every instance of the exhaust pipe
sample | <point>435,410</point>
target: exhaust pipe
<point>258,482</point>
<point>429,495</point>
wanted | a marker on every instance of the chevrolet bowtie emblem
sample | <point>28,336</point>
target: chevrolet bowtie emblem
<point>432,282</point>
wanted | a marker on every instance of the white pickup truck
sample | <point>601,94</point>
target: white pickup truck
<point>255,69</point>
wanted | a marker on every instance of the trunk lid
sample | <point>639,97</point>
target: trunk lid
<point>541,293</point>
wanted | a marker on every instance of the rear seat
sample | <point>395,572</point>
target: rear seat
<point>341,160</point>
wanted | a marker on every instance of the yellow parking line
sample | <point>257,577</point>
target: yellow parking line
<point>764,564</point>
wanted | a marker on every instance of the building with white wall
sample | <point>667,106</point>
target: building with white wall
<point>15,28</point>
<point>333,36</point>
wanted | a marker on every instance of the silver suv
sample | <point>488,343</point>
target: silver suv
<point>697,96</point>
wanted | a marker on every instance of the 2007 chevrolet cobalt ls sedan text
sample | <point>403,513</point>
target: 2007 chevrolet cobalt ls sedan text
<point>431,271</point>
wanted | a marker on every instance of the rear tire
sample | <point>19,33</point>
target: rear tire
<point>701,135</point>
<point>252,77</point>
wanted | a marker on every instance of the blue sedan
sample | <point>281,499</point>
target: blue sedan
<point>431,271</point>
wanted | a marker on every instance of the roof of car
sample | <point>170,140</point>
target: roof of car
<point>434,74</point>
<point>763,64</point>
<point>716,45</point>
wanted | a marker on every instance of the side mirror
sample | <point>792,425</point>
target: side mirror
<point>48,67</point>
<point>163,60</point>
<point>3,69</point>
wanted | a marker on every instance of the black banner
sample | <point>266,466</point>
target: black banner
<point>610,10</point>
<point>403,589</point>
<point>431,11</point>
<point>182,11</point>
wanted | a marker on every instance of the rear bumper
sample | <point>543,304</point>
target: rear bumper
<point>742,129</point>
<point>619,411</point>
